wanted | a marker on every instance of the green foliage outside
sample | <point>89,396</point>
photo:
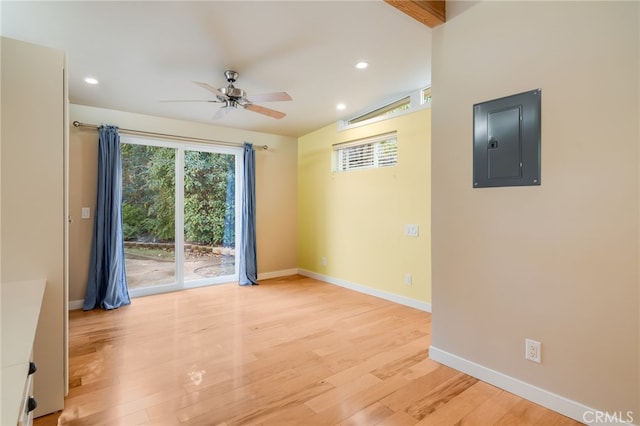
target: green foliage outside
<point>148,194</point>
<point>207,180</point>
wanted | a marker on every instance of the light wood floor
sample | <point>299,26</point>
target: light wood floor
<point>291,351</point>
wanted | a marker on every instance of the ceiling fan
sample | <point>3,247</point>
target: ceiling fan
<point>232,97</point>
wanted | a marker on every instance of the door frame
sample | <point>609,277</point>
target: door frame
<point>181,147</point>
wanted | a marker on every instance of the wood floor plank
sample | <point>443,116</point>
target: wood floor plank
<point>370,415</point>
<point>441,396</point>
<point>400,364</point>
<point>522,413</point>
<point>136,418</point>
<point>550,418</point>
<point>292,351</point>
<point>337,394</point>
<point>342,410</point>
<point>490,411</point>
<point>287,416</point>
<point>458,407</point>
<point>376,362</point>
<point>399,418</point>
<point>418,388</point>
<point>421,368</point>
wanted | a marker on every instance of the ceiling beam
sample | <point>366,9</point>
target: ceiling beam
<point>430,13</point>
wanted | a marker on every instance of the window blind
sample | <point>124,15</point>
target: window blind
<point>377,151</point>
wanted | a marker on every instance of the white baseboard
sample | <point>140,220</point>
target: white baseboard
<point>402,300</point>
<point>277,274</point>
<point>75,304</point>
<point>560,404</point>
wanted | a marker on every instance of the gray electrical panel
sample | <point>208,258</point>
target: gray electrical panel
<point>506,141</point>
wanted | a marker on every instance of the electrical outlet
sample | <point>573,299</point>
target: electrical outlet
<point>324,261</point>
<point>533,350</point>
<point>407,279</point>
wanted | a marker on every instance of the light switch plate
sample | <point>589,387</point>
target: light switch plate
<point>86,212</point>
<point>411,230</point>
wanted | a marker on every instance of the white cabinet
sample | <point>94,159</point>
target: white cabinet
<point>33,207</point>
<point>21,303</point>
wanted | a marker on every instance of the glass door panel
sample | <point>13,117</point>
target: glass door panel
<point>209,217</point>
<point>148,214</point>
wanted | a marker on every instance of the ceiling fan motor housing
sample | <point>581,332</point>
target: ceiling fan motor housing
<point>233,92</point>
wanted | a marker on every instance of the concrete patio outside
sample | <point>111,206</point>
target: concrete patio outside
<point>147,271</point>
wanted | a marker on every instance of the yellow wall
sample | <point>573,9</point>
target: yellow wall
<point>356,219</point>
<point>557,263</point>
<point>275,187</point>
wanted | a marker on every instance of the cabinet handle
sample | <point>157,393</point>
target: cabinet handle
<point>31,404</point>
<point>32,368</point>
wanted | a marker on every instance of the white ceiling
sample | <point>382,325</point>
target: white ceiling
<point>144,52</point>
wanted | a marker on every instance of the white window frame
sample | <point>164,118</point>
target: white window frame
<point>376,141</point>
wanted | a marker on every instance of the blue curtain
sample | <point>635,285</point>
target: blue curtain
<point>107,283</point>
<point>248,262</point>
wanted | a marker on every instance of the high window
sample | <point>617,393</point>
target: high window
<point>377,151</point>
<point>426,96</point>
<point>389,109</point>
<point>414,101</point>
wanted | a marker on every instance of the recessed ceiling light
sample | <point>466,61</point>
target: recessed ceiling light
<point>362,65</point>
<point>90,80</point>
<point>341,106</point>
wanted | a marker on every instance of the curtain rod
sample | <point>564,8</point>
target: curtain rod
<point>165,135</point>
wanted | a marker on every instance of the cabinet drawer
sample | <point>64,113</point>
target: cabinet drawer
<point>28,403</point>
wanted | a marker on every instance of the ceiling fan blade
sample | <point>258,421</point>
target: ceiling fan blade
<point>270,97</point>
<point>190,100</point>
<point>265,111</point>
<point>210,88</point>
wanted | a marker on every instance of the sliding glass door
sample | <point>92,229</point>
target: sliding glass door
<point>209,216</point>
<point>179,214</point>
<point>148,214</point>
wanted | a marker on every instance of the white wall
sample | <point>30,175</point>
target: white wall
<point>33,218</point>
<point>558,262</point>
